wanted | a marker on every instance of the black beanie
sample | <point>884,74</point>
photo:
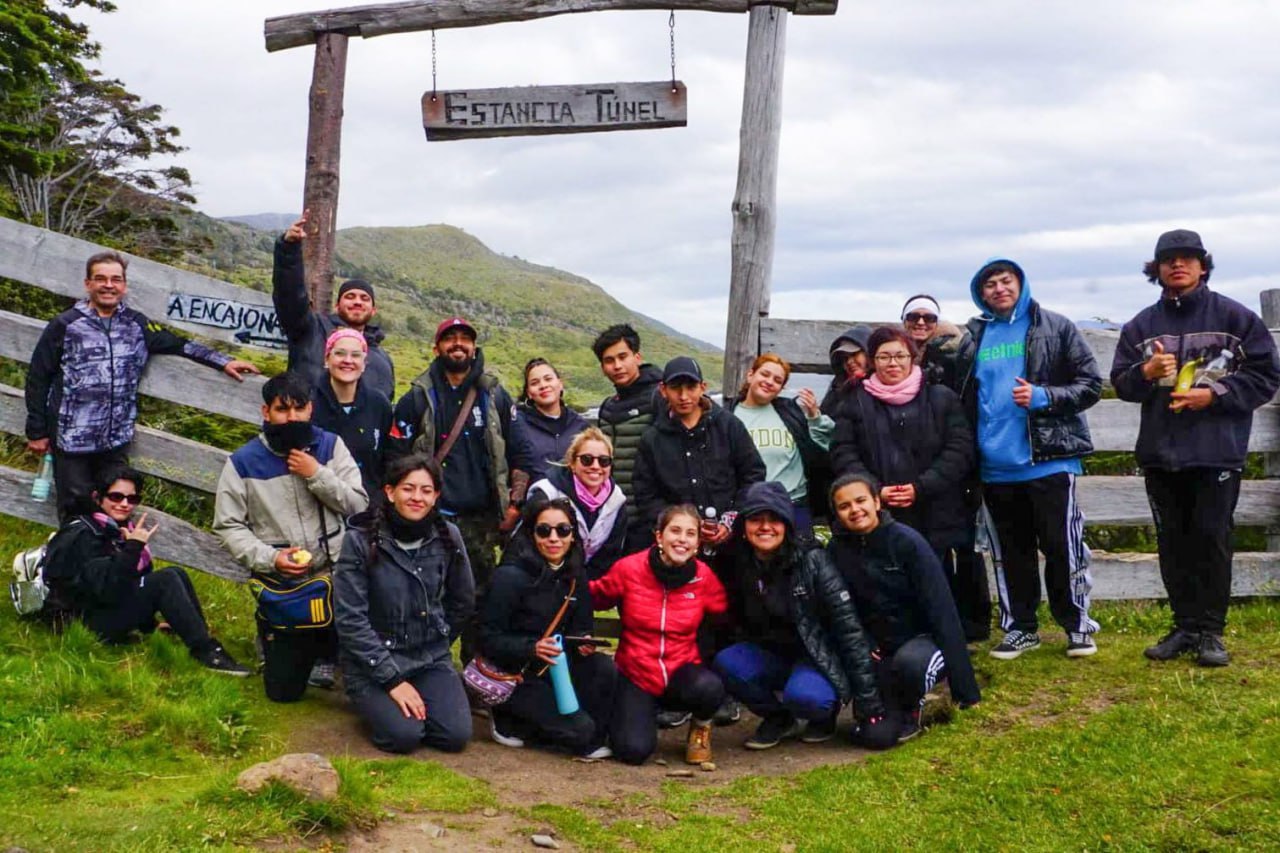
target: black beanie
<point>357,284</point>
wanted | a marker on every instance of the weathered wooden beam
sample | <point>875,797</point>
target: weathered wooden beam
<point>1122,501</point>
<point>175,541</point>
<point>169,457</point>
<point>1119,576</point>
<point>754,209</point>
<point>1113,425</point>
<point>55,262</point>
<point>1271,462</point>
<point>323,167</point>
<point>285,31</point>
<point>541,110</point>
<point>168,377</point>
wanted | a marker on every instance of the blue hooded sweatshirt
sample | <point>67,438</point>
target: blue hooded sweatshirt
<point>1004,436</point>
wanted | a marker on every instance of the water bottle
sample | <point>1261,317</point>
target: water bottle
<point>709,550</point>
<point>566,698</point>
<point>44,480</point>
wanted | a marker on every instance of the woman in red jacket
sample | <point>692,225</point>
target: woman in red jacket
<point>663,594</point>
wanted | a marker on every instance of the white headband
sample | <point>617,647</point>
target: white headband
<point>926,303</point>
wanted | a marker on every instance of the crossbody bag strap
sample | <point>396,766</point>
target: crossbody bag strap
<point>555,623</point>
<point>467,402</point>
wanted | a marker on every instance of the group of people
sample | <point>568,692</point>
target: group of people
<point>460,514</point>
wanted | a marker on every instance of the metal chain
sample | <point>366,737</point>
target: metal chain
<point>433,65</point>
<point>671,25</point>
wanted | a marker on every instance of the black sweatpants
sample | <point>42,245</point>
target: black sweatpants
<point>448,723</point>
<point>634,733</point>
<point>1194,516</point>
<point>1041,515</point>
<point>289,656</point>
<point>909,673</point>
<point>74,474</point>
<point>166,591</point>
<point>532,714</point>
<point>967,575</point>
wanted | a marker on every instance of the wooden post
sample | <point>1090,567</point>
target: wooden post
<point>1271,461</point>
<point>324,143</point>
<point>754,203</point>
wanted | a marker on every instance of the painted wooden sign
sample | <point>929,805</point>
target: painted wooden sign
<point>535,110</point>
<point>248,324</point>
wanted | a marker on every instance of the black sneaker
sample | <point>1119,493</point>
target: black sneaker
<point>323,675</point>
<point>1015,643</point>
<point>910,727</point>
<point>819,731</point>
<point>775,728</point>
<point>217,659</point>
<point>1174,644</point>
<point>1212,652</point>
<point>672,719</point>
<point>1080,645</point>
<point>728,713</point>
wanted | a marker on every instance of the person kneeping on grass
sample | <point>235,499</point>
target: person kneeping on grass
<point>902,598</point>
<point>402,592</point>
<point>99,565</point>
<point>804,652</point>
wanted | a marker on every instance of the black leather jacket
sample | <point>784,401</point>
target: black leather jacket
<point>1058,360</point>
<point>397,615</point>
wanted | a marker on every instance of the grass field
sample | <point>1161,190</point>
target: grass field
<point>136,748</point>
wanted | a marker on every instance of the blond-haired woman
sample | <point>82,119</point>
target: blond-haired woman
<point>586,479</point>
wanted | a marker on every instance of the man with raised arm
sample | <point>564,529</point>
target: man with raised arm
<point>1199,363</point>
<point>82,388</point>
<point>307,330</point>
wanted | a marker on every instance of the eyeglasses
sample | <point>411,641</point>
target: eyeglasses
<point>120,497</point>
<point>586,460</point>
<point>544,531</point>
<point>899,357</point>
<point>104,279</point>
<point>927,319</point>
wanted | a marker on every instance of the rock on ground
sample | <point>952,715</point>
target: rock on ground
<point>307,773</point>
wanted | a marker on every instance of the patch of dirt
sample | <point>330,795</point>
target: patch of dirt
<point>408,833</point>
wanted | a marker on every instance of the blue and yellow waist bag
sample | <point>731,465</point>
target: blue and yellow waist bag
<point>294,607</point>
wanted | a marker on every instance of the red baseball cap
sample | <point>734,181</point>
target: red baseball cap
<point>454,323</point>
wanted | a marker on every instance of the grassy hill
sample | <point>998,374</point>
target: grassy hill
<point>426,273</point>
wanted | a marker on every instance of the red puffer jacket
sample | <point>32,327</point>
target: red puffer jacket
<point>659,626</point>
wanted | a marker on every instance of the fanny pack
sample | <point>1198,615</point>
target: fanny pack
<point>305,605</point>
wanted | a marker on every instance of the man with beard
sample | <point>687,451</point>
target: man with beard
<point>461,415</point>
<point>279,511</point>
<point>308,330</point>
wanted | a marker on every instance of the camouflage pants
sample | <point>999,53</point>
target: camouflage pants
<point>483,540</point>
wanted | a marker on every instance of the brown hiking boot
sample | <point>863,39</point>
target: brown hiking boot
<point>698,748</point>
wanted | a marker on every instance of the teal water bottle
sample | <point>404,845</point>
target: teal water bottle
<point>44,480</point>
<point>566,698</point>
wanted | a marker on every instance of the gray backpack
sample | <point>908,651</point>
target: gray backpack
<point>28,589</point>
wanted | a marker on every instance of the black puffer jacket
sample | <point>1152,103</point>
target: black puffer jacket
<point>819,605</point>
<point>900,592</point>
<point>927,443</point>
<point>523,598</point>
<point>940,356</point>
<point>1058,360</point>
<point>91,567</point>
<point>397,612</point>
<point>624,417</point>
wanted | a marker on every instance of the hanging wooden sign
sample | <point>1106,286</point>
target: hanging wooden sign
<point>535,110</point>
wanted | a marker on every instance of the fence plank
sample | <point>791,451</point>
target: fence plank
<point>168,377</point>
<point>1114,426</point>
<point>1123,501</point>
<point>175,541</point>
<point>55,262</point>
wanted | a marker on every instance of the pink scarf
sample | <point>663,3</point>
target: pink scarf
<point>590,501</point>
<point>895,395</point>
<point>144,559</point>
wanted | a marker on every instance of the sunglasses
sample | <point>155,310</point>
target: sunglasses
<point>544,531</point>
<point>120,497</point>
<point>587,460</point>
<point>927,319</point>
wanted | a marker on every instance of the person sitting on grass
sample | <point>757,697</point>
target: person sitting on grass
<point>663,594</point>
<point>99,565</point>
<point>804,652</point>
<point>402,592</point>
<point>542,577</point>
<point>902,598</point>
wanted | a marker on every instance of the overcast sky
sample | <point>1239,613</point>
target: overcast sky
<point>919,138</point>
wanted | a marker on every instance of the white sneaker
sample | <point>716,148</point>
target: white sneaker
<point>506,740</point>
<point>600,753</point>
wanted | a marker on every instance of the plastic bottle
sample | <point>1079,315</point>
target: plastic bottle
<point>711,516</point>
<point>566,698</point>
<point>43,483</point>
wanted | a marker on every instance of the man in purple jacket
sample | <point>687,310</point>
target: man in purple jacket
<point>1199,363</point>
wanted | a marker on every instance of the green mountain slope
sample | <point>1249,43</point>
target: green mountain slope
<point>426,273</point>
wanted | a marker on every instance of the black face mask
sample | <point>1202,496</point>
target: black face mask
<point>291,435</point>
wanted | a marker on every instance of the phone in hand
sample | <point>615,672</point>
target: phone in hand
<point>574,642</point>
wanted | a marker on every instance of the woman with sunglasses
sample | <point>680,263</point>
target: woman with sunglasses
<point>543,426</point>
<point>938,343</point>
<point>98,566</point>
<point>913,438</point>
<point>541,574</point>
<point>599,506</point>
<point>792,436</point>
<point>663,594</point>
<point>402,592</point>
<point>347,405</point>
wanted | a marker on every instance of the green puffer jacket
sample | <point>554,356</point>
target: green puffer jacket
<point>624,417</point>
